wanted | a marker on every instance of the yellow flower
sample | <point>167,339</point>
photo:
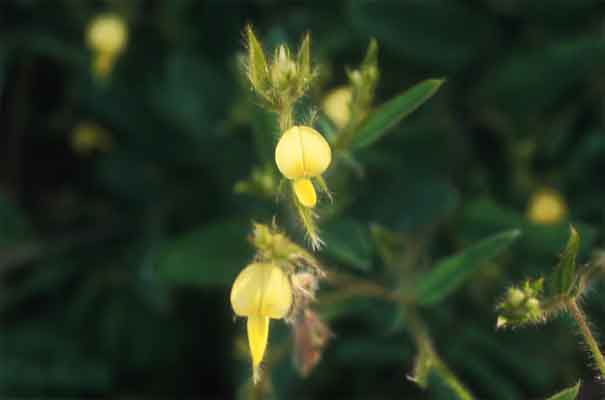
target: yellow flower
<point>260,292</point>
<point>337,105</point>
<point>302,153</point>
<point>546,206</point>
<point>106,35</point>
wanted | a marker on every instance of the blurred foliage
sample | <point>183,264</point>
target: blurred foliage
<point>115,263</point>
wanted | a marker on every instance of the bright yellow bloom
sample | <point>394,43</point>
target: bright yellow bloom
<point>546,206</point>
<point>260,292</point>
<point>337,105</point>
<point>302,153</point>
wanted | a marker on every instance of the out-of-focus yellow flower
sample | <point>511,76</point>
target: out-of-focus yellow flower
<point>337,105</point>
<point>260,292</point>
<point>302,153</point>
<point>88,137</point>
<point>107,35</point>
<point>546,206</point>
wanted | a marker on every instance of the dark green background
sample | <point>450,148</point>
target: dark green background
<point>115,267</point>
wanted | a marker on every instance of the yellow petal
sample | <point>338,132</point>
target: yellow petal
<point>258,334</point>
<point>302,152</point>
<point>317,152</point>
<point>305,192</point>
<point>261,290</point>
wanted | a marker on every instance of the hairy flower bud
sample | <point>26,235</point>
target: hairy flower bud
<point>522,305</point>
<point>283,68</point>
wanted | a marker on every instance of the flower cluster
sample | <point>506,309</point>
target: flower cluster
<point>302,154</point>
<point>285,79</point>
<point>522,305</point>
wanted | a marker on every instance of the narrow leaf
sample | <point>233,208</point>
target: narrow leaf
<point>564,274</point>
<point>258,71</point>
<point>371,57</point>
<point>393,111</point>
<point>449,273</point>
<point>567,394</point>
<point>304,56</point>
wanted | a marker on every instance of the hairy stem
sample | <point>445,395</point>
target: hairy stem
<point>593,346</point>
<point>285,118</point>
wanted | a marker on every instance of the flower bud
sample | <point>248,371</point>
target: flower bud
<point>283,68</point>
<point>337,106</point>
<point>260,292</point>
<point>515,296</point>
<point>522,305</point>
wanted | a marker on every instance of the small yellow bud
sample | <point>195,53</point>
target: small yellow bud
<point>107,33</point>
<point>546,206</point>
<point>303,153</point>
<point>337,105</point>
<point>533,305</point>
<point>260,292</point>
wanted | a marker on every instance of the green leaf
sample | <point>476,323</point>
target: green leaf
<point>393,111</point>
<point>567,394</point>
<point>258,71</point>
<point>452,271</point>
<point>349,242</point>
<point>564,275</point>
<point>210,256</point>
<point>304,57</point>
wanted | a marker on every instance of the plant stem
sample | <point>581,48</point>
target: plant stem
<point>593,346</point>
<point>420,333</point>
<point>285,117</point>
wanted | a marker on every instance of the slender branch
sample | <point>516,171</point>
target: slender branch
<point>593,346</point>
